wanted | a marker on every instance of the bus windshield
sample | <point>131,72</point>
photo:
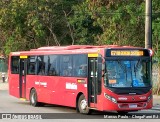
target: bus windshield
<point>128,73</point>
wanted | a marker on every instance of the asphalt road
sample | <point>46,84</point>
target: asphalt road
<point>11,107</point>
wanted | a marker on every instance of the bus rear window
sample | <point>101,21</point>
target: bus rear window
<point>15,64</point>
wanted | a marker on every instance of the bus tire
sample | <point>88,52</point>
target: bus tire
<point>33,98</point>
<point>82,105</point>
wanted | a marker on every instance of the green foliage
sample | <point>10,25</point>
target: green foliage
<point>84,28</point>
<point>27,24</point>
<point>156,29</point>
<point>120,22</point>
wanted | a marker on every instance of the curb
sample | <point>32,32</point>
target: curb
<point>154,108</point>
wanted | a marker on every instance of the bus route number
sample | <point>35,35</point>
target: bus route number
<point>126,53</point>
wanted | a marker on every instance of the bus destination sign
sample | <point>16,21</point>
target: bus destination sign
<point>127,53</point>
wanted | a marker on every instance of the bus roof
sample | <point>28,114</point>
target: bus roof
<point>71,49</point>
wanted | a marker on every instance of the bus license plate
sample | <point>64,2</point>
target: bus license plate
<point>133,106</point>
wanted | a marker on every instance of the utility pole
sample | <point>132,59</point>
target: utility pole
<point>148,24</point>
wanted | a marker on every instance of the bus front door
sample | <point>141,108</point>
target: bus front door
<point>92,82</point>
<point>22,77</point>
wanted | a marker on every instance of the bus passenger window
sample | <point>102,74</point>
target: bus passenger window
<point>41,69</point>
<point>65,72</point>
<point>53,66</point>
<point>82,70</point>
<point>31,69</point>
<point>66,65</point>
<point>15,65</point>
<point>42,64</point>
<point>52,72</point>
<point>79,65</point>
<point>31,65</point>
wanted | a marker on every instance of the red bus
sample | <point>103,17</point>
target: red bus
<point>105,78</point>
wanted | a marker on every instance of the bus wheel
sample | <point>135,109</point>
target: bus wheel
<point>82,105</point>
<point>33,98</point>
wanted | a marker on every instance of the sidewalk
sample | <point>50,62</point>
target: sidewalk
<point>3,86</point>
<point>156,102</point>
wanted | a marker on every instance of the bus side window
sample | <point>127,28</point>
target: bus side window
<point>65,72</point>
<point>82,70</point>
<point>53,65</point>
<point>14,64</point>
<point>41,69</point>
<point>52,70</point>
<point>79,65</point>
<point>42,65</point>
<point>31,65</point>
<point>66,65</point>
<point>31,69</point>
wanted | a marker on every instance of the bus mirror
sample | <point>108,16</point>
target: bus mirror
<point>100,65</point>
<point>151,52</point>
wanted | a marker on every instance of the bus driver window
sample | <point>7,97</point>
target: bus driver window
<point>111,70</point>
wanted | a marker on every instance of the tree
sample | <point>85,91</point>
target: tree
<point>27,24</point>
<point>110,22</point>
<point>155,29</point>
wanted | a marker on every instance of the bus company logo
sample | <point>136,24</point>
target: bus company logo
<point>71,86</point>
<point>41,83</point>
<point>142,97</point>
<point>122,98</point>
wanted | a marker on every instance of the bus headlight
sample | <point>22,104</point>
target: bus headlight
<point>114,100</point>
<point>110,98</point>
<point>149,97</point>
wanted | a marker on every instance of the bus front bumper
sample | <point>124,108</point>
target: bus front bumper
<point>113,105</point>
